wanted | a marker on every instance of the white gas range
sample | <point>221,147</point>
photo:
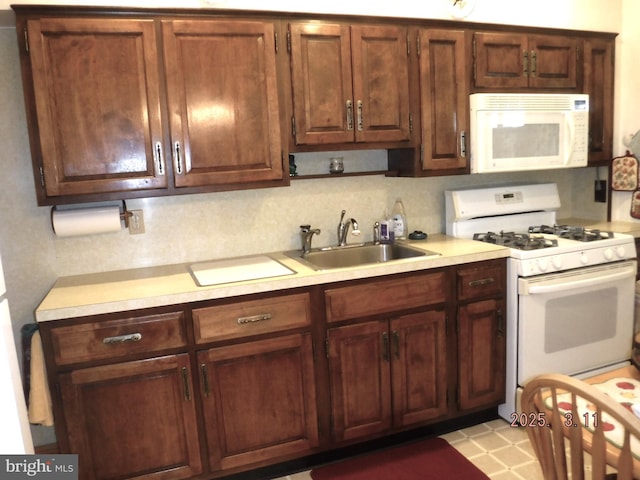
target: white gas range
<point>570,290</point>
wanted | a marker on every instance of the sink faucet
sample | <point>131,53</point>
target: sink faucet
<point>306,234</point>
<point>343,228</point>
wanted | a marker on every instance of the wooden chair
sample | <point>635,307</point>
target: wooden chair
<point>554,422</point>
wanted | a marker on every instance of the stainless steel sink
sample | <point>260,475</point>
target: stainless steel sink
<point>355,255</point>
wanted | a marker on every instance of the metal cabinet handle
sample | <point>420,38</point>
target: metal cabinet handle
<point>525,63</point>
<point>385,346</point>
<point>177,153</point>
<point>132,337</point>
<point>360,120</point>
<point>185,382</point>
<point>396,344</point>
<point>500,319</point>
<point>481,282</point>
<point>157,158</point>
<point>534,63</point>
<point>205,379</point>
<point>463,144</point>
<point>254,318</point>
<point>349,115</point>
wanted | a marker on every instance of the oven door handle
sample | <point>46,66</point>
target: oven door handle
<point>573,284</point>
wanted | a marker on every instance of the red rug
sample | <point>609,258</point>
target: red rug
<point>425,460</point>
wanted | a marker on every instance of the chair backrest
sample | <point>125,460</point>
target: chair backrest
<point>566,417</point>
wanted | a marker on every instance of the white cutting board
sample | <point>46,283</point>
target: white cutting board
<point>237,270</point>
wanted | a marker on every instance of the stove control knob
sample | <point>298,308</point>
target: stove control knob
<point>608,254</point>
<point>557,262</point>
<point>620,251</point>
<point>583,258</point>
<point>543,265</point>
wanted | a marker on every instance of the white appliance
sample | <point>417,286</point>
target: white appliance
<point>15,436</point>
<point>514,132</point>
<point>570,290</point>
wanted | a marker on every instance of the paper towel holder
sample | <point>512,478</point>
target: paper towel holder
<point>125,214</point>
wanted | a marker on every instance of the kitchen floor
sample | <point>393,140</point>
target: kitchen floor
<point>496,448</point>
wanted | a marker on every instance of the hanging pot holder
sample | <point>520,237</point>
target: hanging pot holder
<point>635,204</point>
<point>624,173</point>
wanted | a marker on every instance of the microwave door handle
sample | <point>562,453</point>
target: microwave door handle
<point>570,136</point>
<point>587,282</point>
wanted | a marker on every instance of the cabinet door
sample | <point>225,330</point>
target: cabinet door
<point>507,60</point>
<point>501,60</point>
<point>134,419</point>
<point>259,400</point>
<point>553,62</point>
<point>360,380</point>
<point>97,101</point>
<point>598,83</point>
<point>419,367</point>
<point>481,354</point>
<point>380,83</point>
<point>443,95</point>
<point>321,83</point>
<point>223,101</point>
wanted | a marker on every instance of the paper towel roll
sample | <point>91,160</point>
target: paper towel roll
<point>85,221</point>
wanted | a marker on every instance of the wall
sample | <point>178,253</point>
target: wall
<point>627,96</point>
<point>201,227</point>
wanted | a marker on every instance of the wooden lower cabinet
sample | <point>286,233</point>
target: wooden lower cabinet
<point>387,374</point>
<point>133,419</point>
<point>481,335</point>
<point>217,388</point>
<point>259,400</point>
<point>481,356</point>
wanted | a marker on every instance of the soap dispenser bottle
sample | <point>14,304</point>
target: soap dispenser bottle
<point>386,229</point>
<point>399,220</point>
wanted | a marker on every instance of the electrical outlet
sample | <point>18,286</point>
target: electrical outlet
<point>136,222</point>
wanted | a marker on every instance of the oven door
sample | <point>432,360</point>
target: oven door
<point>575,321</point>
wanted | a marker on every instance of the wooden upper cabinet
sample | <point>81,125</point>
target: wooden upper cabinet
<point>322,87</point>
<point>97,102</point>
<point>223,101</point>
<point>598,83</point>
<point>444,92</point>
<point>517,61</point>
<point>349,83</point>
<point>380,61</point>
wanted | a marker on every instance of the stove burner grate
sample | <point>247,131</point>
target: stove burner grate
<point>572,232</point>
<point>520,241</point>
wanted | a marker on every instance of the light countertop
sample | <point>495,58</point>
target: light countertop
<point>109,292</point>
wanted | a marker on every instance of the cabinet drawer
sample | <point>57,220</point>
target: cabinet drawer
<point>253,317</point>
<point>384,296</point>
<point>117,338</point>
<point>481,281</point>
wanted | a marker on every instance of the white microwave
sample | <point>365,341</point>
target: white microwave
<point>513,132</point>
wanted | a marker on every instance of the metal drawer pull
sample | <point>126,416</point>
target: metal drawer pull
<point>132,337</point>
<point>482,281</point>
<point>254,318</point>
